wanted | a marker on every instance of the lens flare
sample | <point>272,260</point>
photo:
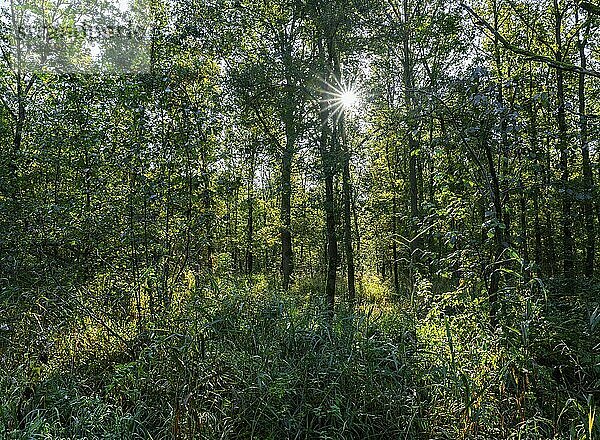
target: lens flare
<point>348,99</point>
<point>341,98</point>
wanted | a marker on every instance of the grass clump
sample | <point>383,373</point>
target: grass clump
<point>240,359</point>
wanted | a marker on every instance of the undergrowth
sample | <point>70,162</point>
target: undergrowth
<point>239,359</point>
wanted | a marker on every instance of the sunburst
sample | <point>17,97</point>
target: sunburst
<point>341,98</point>
<point>348,99</point>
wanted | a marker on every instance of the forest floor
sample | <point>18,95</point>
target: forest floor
<point>235,358</point>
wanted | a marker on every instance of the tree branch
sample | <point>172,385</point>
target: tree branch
<point>567,67</point>
<point>590,7</point>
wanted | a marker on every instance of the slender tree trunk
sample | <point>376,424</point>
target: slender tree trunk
<point>19,119</point>
<point>19,123</point>
<point>347,193</point>
<point>286,233</point>
<point>287,261</point>
<point>329,166</point>
<point>395,245</point>
<point>332,248</point>
<point>358,261</point>
<point>392,177</point>
<point>550,256</point>
<point>328,149</point>
<point>523,220</point>
<point>235,249</point>
<point>408,80</point>
<point>504,154</point>
<point>208,217</point>
<point>533,141</point>
<point>588,178</point>
<point>250,220</point>
<point>431,164</point>
<point>133,241</point>
<point>567,232</point>
<point>166,296</point>
<point>494,283</point>
<point>537,228</point>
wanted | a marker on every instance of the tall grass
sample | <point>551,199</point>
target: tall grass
<point>239,359</point>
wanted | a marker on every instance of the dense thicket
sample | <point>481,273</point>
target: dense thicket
<point>301,219</point>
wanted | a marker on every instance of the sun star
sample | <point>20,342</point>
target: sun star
<point>348,99</point>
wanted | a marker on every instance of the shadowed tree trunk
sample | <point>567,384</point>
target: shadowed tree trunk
<point>567,231</point>
<point>332,248</point>
<point>286,233</point>
<point>588,178</point>
<point>494,282</point>
<point>347,193</point>
<point>250,220</point>
<point>329,167</point>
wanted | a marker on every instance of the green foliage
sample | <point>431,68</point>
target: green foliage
<point>165,234</point>
<point>244,361</point>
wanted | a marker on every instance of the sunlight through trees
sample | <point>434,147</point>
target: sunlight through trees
<point>299,219</point>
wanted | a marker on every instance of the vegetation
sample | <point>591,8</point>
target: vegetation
<point>299,219</point>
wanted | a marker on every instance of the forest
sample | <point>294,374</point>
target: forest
<point>299,219</point>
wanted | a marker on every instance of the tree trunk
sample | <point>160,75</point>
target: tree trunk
<point>408,80</point>
<point>395,245</point>
<point>347,192</point>
<point>286,234</point>
<point>567,232</point>
<point>329,167</point>
<point>494,283</point>
<point>504,154</point>
<point>287,261</point>
<point>332,249</point>
<point>250,221</point>
<point>588,178</point>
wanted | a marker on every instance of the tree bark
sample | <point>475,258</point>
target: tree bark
<point>329,167</point>
<point>332,247</point>
<point>408,80</point>
<point>504,154</point>
<point>494,282</point>
<point>533,141</point>
<point>287,256</point>
<point>250,219</point>
<point>567,232</point>
<point>588,178</point>
<point>347,193</point>
<point>286,202</point>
